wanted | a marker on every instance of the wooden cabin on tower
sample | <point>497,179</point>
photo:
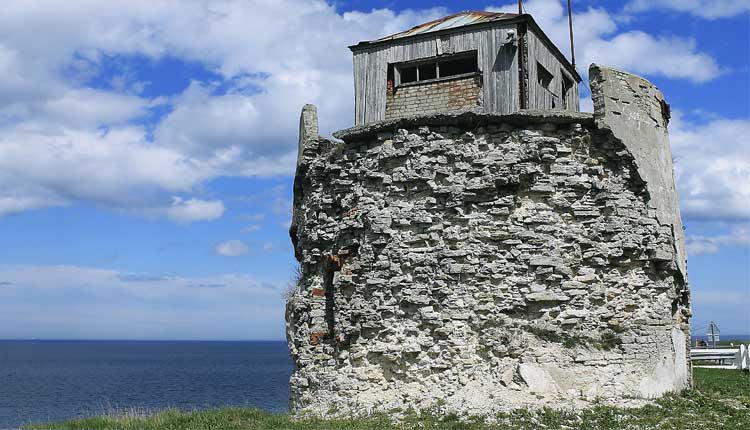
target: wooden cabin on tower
<point>486,62</point>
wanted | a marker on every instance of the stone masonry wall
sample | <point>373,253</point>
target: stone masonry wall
<point>636,112</point>
<point>424,99</point>
<point>478,263</point>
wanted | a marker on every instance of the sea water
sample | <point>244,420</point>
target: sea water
<point>58,380</point>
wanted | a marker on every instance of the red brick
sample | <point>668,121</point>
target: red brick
<point>335,262</point>
<point>316,336</point>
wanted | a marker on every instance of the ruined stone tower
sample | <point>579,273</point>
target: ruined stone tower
<point>488,261</point>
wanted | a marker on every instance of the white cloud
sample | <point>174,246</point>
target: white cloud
<point>712,165</point>
<point>597,41</point>
<point>115,166</point>
<point>698,245</point>
<point>251,228</point>
<point>710,9</point>
<point>268,247</point>
<point>232,248</point>
<point>62,142</point>
<point>678,57</point>
<point>712,158</point>
<point>11,204</point>
<point>86,302</point>
<point>85,106</point>
<point>191,210</point>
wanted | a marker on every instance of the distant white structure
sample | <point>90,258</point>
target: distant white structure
<point>725,358</point>
<point>712,334</point>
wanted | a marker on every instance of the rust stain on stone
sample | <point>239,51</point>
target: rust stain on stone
<point>315,337</point>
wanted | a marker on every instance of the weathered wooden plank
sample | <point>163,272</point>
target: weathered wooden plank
<point>360,91</point>
<point>514,86</point>
<point>497,60</point>
<point>540,97</point>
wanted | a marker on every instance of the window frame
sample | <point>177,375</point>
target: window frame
<point>397,67</point>
<point>544,73</point>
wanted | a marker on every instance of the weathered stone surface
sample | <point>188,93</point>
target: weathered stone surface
<point>308,128</point>
<point>636,112</point>
<point>480,263</point>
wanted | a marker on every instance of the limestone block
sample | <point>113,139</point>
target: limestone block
<point>480,263</point>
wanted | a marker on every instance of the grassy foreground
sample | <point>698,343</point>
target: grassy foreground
<point>720,400</point>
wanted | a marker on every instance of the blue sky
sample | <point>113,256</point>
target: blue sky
<point>147,149</point>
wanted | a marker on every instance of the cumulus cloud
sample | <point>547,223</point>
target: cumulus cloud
<point>62,141</point>
<point>711,157</point>
<point>597,41</point>
<point>710,9</point>
<point>698,245</point>
<point>678,57</point>
<point>12,204</point>
<point>87,302</point>
<point>231,248</point>
<point>712,165</point>
<point>194,210</point>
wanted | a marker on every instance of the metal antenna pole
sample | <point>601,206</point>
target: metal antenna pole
<point>570,25</point>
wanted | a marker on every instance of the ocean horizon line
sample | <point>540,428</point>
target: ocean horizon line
<point>135,340</point>
<point>729,336</point>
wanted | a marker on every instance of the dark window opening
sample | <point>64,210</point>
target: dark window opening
<point>391,81</point>
<point>408,74</point>
<point>543,77</point>
<point>427,71</point>
<point>459,66</point>
<point>439,68</point>
<point>567,85</point>
<point>333,265</point>
<point>330,309</point>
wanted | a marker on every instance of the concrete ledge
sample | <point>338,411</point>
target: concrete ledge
<point>466,119</point>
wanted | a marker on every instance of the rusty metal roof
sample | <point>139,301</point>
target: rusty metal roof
<point>451,21</point>
<point>470,18</point>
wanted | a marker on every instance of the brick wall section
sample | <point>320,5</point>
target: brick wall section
<point>443,96</point>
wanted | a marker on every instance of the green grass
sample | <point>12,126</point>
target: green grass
<point>722,383</point>
<point>720,400</point>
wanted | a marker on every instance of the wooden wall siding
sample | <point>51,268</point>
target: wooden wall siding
<point>497,61</point>
<point>574,100</point>
<point>540,97</point>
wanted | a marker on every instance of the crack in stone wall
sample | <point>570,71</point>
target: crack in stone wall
<point>480,263</point>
